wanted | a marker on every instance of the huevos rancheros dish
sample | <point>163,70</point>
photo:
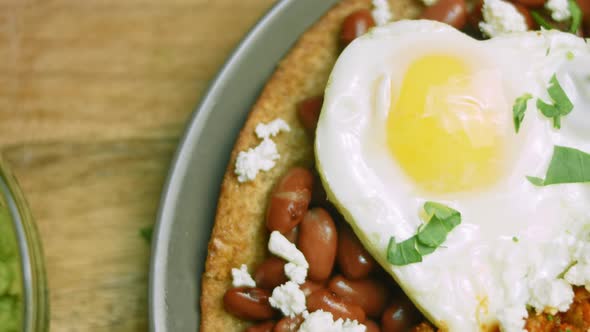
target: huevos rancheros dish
<point>432,175</point>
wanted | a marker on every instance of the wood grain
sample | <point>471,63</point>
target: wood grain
<point>94,95</point>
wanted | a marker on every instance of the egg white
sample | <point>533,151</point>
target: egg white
<point>513,236</point>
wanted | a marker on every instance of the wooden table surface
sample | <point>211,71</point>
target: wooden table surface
<point>94,95</point>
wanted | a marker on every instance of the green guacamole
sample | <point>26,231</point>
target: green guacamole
<point>11,302</point>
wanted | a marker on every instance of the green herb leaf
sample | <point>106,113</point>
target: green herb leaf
<point>422,248</point>
<point>567,268</point>
<point>570,55</point>
<point>514,239</point>
<point>434,233</point>
<point>561,103</point>
<point>441,220</point>
<point>549,111</point>
<point>550,317</point>
<point>576,16</point>
<point>540,20</point>
<point>441,211</point>
<point>536,181</point>
<point>146,233</point>
<point>567,165</point>
<point>403,253</point>
<point>519,109</point>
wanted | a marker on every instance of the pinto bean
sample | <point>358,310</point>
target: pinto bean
<point>399,316</point>
<point>525,12</point>
<point>355,25</point>
<point>475,15</point>
<point>248,303</point>
<point>270,273</point>
<point>423,327</point>
<point>371,295</point>
<point>289,200</point>
<point>293,234</point>
<point>326,300</point>
<point>318,241</point>
<point>451,12</point>
<point>531,3</point>
<point>319,197</point>
<point>262,327</point>
<point>288,324</point>
<point>372,326</point>
<point>585,7</point>
<point>354,261</point>
<point>309,287</point>
<point>308,112</point>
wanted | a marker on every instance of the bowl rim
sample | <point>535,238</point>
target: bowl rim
<point>34,282</point>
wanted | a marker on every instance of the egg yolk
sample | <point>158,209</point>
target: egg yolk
<point>442,134</point>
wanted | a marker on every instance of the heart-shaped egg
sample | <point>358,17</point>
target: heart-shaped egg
<point>418,112</point>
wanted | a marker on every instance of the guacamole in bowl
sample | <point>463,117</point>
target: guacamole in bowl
<point>24,305</point>
<point>11,288</point>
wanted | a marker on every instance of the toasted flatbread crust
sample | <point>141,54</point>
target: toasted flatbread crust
<point>239,235</point>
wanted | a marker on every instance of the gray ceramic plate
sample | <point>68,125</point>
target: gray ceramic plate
<point>189,201</point>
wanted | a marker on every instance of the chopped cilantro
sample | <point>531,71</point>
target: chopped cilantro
<point>576,16</point>
<point>550,317</point>
<point>567,165</point>
<point>403,253</point>
<point>561,103</point>
<point>443,212</point>
<point>514,239</point>
<point>519,109</point>
<point>541,21</point>
<point>146,233</point>
<point>441,221</point>
<point>567,268</point>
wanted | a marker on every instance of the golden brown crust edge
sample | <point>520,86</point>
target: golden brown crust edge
<point>239,236</point>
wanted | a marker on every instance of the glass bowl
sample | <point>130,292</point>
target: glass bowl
<point>24,299</point>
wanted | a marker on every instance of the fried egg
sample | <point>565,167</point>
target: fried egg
<point>417,111</point>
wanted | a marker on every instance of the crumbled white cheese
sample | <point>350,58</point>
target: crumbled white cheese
<point>324,321</point>
<point>271,129</point>
<point>261,158</point>
<point>296,267</point>
<point>501,17</point>
<point>579,274</point>
<point>264,156</point>
<point>317,321</point>
<point>381,12</point>
<point>288,298</point>
<point>295,273</point>
<point>560,9</point>
<point>551,295</point>
<point>351,326</point>
<point>280,246</point>
<point>529,276</point>
<point>241,277</point>
<point>512,318</point>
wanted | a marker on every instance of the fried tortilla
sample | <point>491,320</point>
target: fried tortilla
<point>239,235</point>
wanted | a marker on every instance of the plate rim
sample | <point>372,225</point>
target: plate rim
<point>179,164</point>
